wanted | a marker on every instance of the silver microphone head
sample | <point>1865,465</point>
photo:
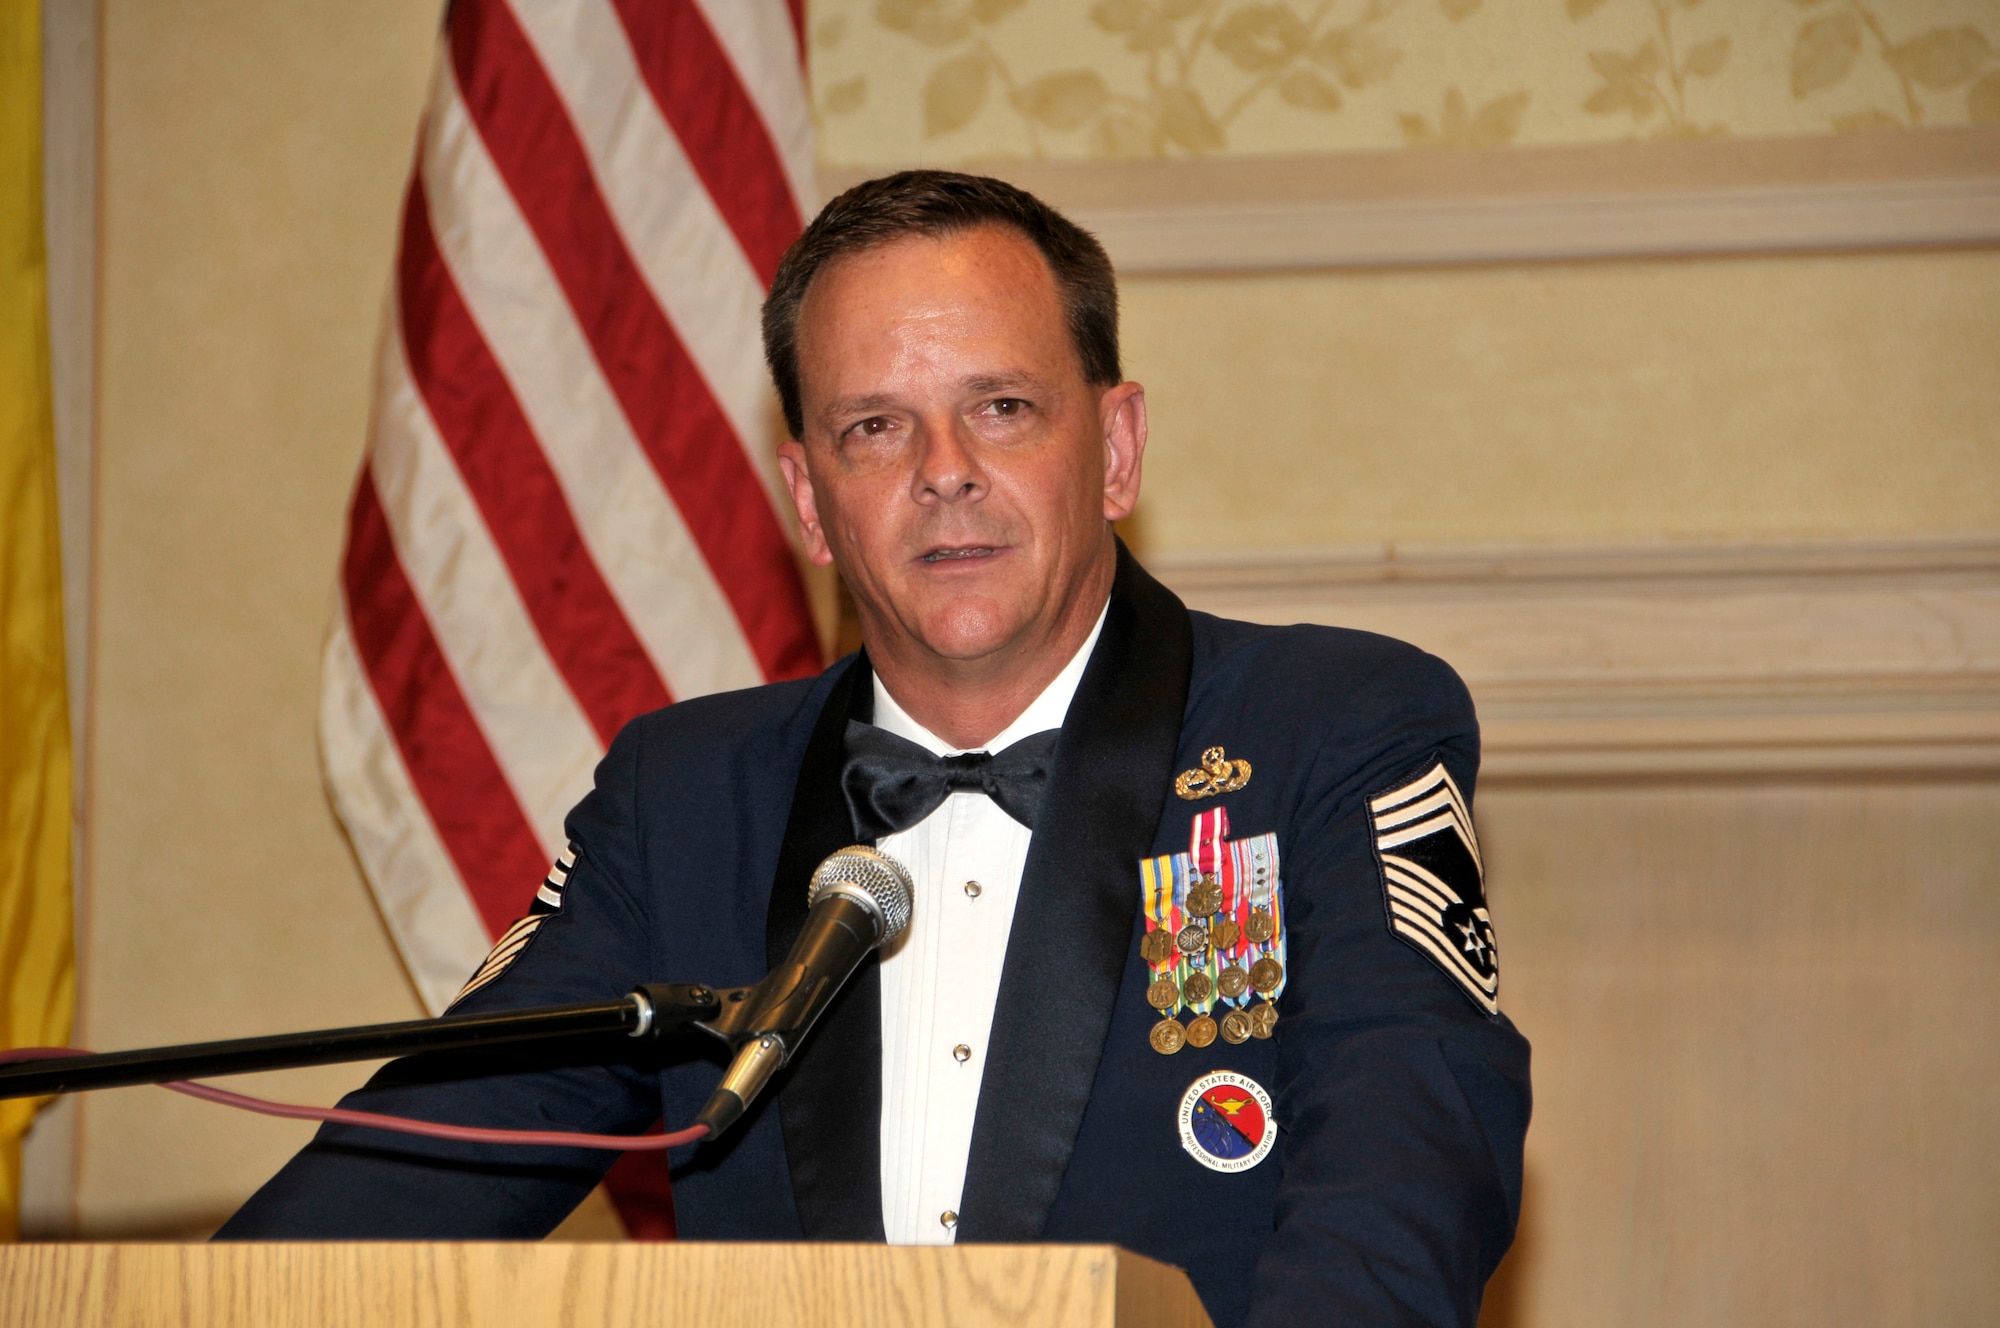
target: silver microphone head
<point>878,883</point>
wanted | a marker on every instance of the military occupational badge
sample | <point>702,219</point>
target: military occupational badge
<point>1433,882</point>
<point>1226,1122</point>
<point>1215,937</point>
<point>1216,774</point>
<point>548,899</point>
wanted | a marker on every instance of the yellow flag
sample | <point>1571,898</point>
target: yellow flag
<point>37,966</point>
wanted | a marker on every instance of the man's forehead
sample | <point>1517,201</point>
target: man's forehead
<point>981,302</point>
<point>990,259</point>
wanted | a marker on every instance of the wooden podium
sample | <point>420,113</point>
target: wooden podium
<point>415,1285</point>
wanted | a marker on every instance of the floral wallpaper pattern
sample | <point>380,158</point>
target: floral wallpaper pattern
<point>963,80</point>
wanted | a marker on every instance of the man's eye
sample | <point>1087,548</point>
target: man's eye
<point>1007,406</point>
<point>871,427</point>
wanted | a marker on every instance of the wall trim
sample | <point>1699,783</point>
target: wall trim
<point>70,125</point>
<point>1889,190</point>
<point>1843,658</point>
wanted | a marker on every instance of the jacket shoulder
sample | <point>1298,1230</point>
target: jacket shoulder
<point>1309,658</point>
<point>1357,707</point>
<point>747,717</point>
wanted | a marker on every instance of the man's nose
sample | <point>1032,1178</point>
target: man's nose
<point>947,470</point>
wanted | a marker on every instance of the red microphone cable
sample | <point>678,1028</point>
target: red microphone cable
<point>471,1134</point>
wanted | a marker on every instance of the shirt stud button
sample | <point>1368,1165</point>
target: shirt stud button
<point>961,1053</point>
<point>972,889</point>
<point>948,1220</point>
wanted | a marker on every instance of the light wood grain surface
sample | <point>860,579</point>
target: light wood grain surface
<point>396,1285</point>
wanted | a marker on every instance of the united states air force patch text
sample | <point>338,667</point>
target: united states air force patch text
<point>1226,1121</point>
<point>1434,883</point>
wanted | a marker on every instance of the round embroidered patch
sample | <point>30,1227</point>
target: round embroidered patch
<point>1226,1121</point>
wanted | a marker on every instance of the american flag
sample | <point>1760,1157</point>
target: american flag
<point>570,513</point>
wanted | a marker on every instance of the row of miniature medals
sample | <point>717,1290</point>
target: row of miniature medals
<point>1215,937</point>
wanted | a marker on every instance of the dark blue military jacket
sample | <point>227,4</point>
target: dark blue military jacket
<point>1401,1102</point>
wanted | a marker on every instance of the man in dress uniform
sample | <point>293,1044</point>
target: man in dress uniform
<point>1199,962</point>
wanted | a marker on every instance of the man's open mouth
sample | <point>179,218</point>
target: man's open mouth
<point>952,555</point>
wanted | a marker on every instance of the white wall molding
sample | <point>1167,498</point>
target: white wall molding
<point>1850,658</point>
<point>1621,200</point>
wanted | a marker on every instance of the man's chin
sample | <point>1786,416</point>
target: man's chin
<point>968,629</point>
<point>967,647</point>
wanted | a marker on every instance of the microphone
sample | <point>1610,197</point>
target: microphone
<point>858,900</point>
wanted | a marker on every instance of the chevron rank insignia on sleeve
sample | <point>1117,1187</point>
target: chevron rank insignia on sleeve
<point>1433,882</point>
<point>548,899</point>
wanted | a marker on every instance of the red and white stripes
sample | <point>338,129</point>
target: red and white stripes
<point>569,511</point>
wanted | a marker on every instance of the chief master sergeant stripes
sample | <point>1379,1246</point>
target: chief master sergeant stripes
<point>1435,881</point>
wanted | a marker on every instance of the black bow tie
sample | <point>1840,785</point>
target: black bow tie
<point>891,783</point>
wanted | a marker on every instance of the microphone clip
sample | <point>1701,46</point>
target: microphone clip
<point>751,1021</point>
<point>668,1007</point>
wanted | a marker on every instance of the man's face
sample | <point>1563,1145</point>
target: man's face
<point>955,463</point>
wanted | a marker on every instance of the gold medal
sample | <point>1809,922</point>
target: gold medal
<point>1163,994</point>
<point>1198,988</point>
<point>1266,974</point>
<point>1236,1028</point>
<point>1205,900</point>
<point>1201,1031</point>
<point>1168,1036</point>
<point>1263,1018</point>
<point>1260,928</point>
<point>1225,933</point>
<point>1193,938</point>
<point>1233,982</point>
<point>1158,947</point>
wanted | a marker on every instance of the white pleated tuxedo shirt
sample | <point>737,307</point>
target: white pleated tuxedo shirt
<point>941,977</point>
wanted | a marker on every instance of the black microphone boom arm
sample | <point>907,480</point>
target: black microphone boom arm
<point>858,899</point>
<point>651,1011</point>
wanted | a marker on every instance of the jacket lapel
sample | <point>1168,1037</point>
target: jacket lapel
<point>1079,897</point>
<point>830,1100</point>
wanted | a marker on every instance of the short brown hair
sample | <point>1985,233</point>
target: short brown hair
<point>938,203</point>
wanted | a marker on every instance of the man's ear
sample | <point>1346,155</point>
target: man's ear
<point>798,479</point>
<point>1122,414</point>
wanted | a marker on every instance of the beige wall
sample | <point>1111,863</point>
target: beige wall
<point>253,157</point>
<point>1725,399</point>
<point>1756,1104</point>
<point>1762,1090</point>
